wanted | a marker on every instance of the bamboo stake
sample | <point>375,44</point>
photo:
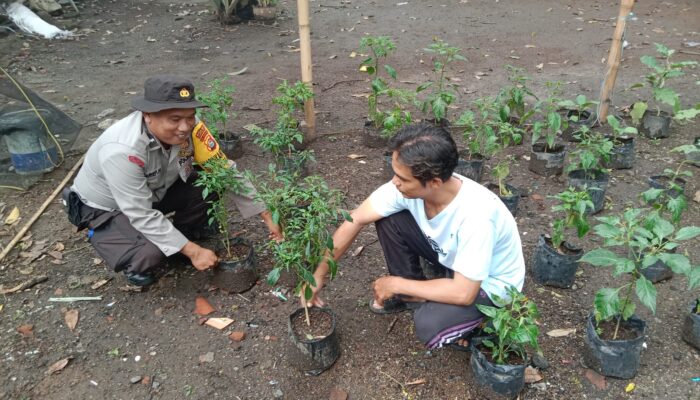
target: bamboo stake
<point>614,59</point>
<point>41,209</point>
<point>306,65</point>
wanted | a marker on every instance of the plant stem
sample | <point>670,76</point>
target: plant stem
<point>306,308</point>
<point>624,304</point>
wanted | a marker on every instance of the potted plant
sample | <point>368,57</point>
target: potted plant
<point>236,270</point>
<point>692,154</point>
<point>691,323</point>
<point>481,141</point>
<point>512,329</point>
<point>547,156</point>
<point>555,259</point>
<point>304,210</point>
<point>233,11</point>
<point>381,124</point>
<point>441,93</point>
<point>622,153</point>
<point>509,195</point>
<point>514,97</point>
<point>216,115</point>
<point>586,171</point>
<point>578,112</point>
<point>657,124</point>
<point>282,141</point>
<point>265,10</point>
<point>614,335</point>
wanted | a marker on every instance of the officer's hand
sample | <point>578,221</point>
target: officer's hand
<point>315,300</point>
<point>201,258</point>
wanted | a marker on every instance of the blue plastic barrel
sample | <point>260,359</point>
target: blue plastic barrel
<point>31,150</point>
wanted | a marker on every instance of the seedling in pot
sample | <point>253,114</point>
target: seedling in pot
<point>656,80</point>
<point>391,120</point>
<point>645,237</point>
<point>304,210</point>
<point>552,124</point>
<point>578,108</point>
<point>290,99</point>
<point>671,199</point>
<point>514,327</point>
<point>219,176</point>
<point>218,101</point>
<point>575,206</point>
<point>501,172</point>
<point>514,97</point>
<point>618,130</point>
<point>441,92</point>
<point>590,153</point>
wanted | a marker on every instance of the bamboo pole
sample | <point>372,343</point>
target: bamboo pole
<point>41,209</point>
<point>614,59</point>
<point>306,66</point>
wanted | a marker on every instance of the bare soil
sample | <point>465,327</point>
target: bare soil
<point>154,336</point>
<point>320,325</point>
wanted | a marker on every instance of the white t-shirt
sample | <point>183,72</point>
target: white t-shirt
<point>474,235</point>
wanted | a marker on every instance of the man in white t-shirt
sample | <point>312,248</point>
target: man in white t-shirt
<point>466,235</point>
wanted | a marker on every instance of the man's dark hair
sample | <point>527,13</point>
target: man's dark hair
<point>427,149</point>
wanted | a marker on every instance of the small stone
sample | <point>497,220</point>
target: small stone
<point>105,113</point>
<point>155,385</point>
<point>237,336</point>
<point>338,394</point>
<point>135,379</point>
<point>540,386</point>
<point>677,356</point>
<point>206,358</point>
<point>146,380</point>
<point>574,287</point>
<point>278,394</point>
<point>539,361</point>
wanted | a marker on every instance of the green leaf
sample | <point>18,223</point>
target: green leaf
<point>308,292</point>
<point>607,231</point>
<point>623,266</point>
<point>694,278</point>
<point>649,61</point>
<point>273,276</point>
<point>489,311</point>
<point>391,71</point>
<point>607,303</point>
<point>687,232</point>
<point>646,293</point>
<point>666,96</point>
<point>601,258</point>
<point>638,111</point>
<point>677,262</point>
<point>628,310</point>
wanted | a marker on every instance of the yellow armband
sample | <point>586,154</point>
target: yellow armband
<point>205,146</point>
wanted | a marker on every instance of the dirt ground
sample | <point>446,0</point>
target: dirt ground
<point>153,338</point>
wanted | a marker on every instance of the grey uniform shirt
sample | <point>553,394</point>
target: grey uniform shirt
<point>127,169</point>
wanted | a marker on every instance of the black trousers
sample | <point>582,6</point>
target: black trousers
<point>404,244</point>
<point>124,248</point>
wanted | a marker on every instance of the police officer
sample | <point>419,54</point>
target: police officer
<point>140,169</point>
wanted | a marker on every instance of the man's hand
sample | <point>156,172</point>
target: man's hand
<point>275,230</point>
<point>202,259</point>
<point>384,288</point>
<point>315,300</point>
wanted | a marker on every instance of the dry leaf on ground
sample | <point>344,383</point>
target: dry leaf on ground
<point>72,317</point>
<point>202,306</point>
<point>12,217</point>
<point>532,375</point>
<point>219,323</point>
<point>58,366</point>
<point>561,332</point>
<point>26,330</point>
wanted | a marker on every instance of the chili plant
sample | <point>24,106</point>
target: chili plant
<point>290,99</point>
<point>501,172</point>
<point>514,97</point>
<point>590,153</point>
<point>644,238</point>
<point>618,130</point>
<point>656,80</point>
<point>220,177</point>
<point>304,210</point>
<point>513,326</point>
<point>442,93</point>
<point>578,107</point>
<point>575,206</point>
<point>218,101</point>
<point>551,125</point>
<point>672,199</point>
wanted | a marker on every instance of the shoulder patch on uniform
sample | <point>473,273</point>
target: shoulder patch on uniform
<point>137,161</point>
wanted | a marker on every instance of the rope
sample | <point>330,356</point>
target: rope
<point>630,17</point>
<point>53,138</point>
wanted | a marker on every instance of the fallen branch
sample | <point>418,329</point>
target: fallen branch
<point>339,82</point>
<point>72,299</point>
<point>25,285</point>
<point>391,325</point>
<point>694,53</point>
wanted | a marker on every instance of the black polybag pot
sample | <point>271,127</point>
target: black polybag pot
<point>691,326</point>
<point>595,184</point>
<point>574,127</point>
<point>664,182</point>
<point>545,161</point>
<point>293,164</point>
<point>694,157</point>
<point>505,380</point>
<point>472,168</point>
<point>231,146</point>
<point>656,125</point>
<point>313,356</point>
<point>372,137</point>
<point>614,358</point>
<point>236,276</point>
<point>511,201</point>
<point>552,268</point>
<point>622,155</point>
<point>658,271</point>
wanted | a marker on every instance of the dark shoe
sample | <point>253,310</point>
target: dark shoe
<point>140,280</point>
<point>391,306</point>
